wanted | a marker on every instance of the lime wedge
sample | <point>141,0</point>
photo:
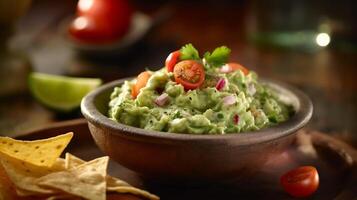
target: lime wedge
<point>60,93</point>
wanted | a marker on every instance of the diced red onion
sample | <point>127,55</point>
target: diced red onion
<point>225,69</point>
<point>236,119</point>
<point>251,89</point>
<point>162,99</point>
<point>229,100</point>
<point>220,84</point>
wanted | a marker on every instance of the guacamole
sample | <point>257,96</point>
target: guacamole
<point>229,99</point>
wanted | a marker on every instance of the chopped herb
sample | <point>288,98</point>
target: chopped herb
<point>189,52</point>
<point>273,119</point>
<point>177,115</point>
<point>218,57</point>
<point>220,115</point>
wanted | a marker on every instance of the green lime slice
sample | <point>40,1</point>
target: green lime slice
<point>60,93</point>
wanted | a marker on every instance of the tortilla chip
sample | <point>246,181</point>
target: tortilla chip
<point>72,161</point>
<point>113,184</point>
<point>38,152</point>
<point>33,170</point>
<point>58,166</point>
<point>24,175</point>
<point>64,197</point>
<point>7,188</point>
<point>26,193</point>
<point>86,180</point>
<point>133,190</point>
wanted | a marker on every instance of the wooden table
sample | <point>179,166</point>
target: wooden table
<point>327,75</point>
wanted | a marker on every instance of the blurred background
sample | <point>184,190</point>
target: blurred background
<point>310,44</point>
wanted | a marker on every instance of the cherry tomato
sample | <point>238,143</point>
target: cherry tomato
<point>230,67</point>
<point>300,182</point>
<point>106,20</point>
<point>171,60</point>
<point>141,81</point>
<point>189,73</point>
<point>87,29</point>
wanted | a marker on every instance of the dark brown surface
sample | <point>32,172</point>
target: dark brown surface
<point>327,75</point>
<point>335,160</point>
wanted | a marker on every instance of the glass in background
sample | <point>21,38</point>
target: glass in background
<point>303,25</point>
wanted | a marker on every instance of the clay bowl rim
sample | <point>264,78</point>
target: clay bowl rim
<point>298,120</point>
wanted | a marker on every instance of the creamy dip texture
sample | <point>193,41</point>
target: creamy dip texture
<point>227,101</point>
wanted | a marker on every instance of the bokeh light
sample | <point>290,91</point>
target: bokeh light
<point>323,39</point>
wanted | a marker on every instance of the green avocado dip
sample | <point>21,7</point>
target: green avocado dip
<point>229,99</point>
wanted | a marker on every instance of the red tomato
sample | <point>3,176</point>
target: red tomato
<point>230,67</point>
<point>109,20</point>
<point>87,29</point>
<point>189,73</point>
<point>171,60</point>
<point>300,182</point>
<point>141,81</point>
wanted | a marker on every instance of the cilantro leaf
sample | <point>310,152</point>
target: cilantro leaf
<point>218,57</point>
<point>189,52</point>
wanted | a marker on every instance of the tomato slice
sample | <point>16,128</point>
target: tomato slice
<point>171,60</point>
<point>189,73</point>
<point>230,67</point>
<point>141,81</point>
<point>300,182</point>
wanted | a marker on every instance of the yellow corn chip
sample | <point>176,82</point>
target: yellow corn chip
<point>64,197</point>
<point>58,166</point>
<point>7,188</point>
<point>33,169</point>
<point>26,193</point>
<point>24,175</point>
<point>113,184</point>
<point>86,180</point>
<point>72,161</point>
<point>38,152</point>
<point>133,190</point>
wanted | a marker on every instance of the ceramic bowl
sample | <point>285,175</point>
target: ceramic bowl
<point>163,156</point>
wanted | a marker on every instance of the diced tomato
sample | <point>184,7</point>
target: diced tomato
<point>236,119</point>
<point>230,67</point>
<point>141,81</point>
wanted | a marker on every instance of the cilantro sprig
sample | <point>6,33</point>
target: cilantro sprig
<point>189,52</point>
<point>218,57</point>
